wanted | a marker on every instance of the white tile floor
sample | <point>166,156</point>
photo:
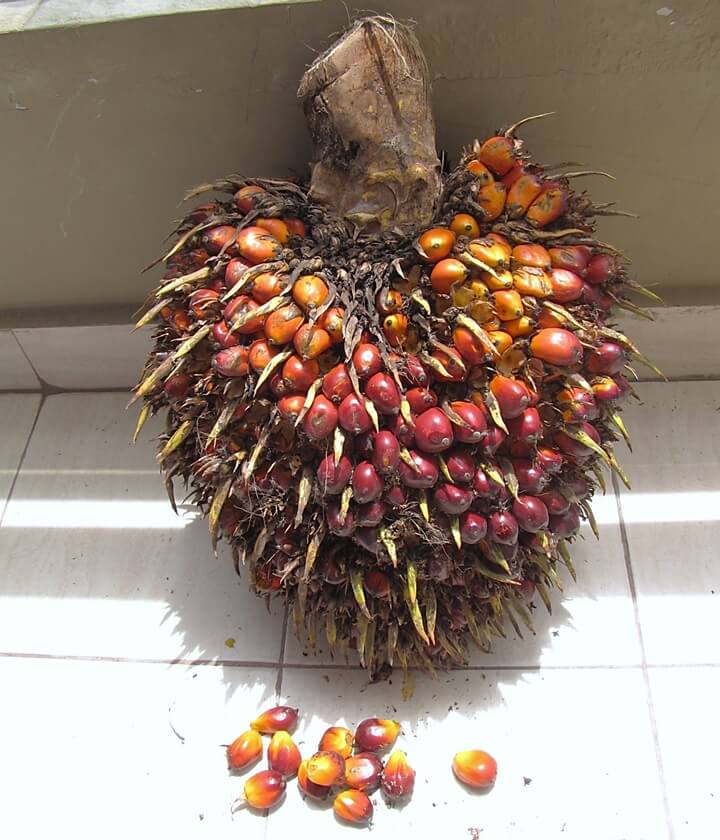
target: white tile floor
<point>129,655</point>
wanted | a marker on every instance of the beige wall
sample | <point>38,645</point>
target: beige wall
<point>103,127</point>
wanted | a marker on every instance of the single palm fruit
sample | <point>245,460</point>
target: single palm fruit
<point>398,777</point>
<point>326,768</point>
<point>310,788</point>
<point>374,734</point>
<point>353,806</point>
<point>363,771</point>
<point>264,789</point>
<point>377,387</point>
<point>244,750</point>
<point>337,739</point>
<point>283,754</point>
<point>277,719</point>
<point>475,768</point>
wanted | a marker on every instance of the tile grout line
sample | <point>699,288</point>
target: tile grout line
<point>643,656</point>
<point>131,660</point>
<point>281,660</point>
<point>41,381</point>
<point>21,460</point>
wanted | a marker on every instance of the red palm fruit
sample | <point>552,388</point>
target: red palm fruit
<point>565,525</point>
<point>234,270</point>
<point>579,488</point>
<point>177,387</point>
<point>396,496</point>
<point>605,388</point>
<point>566,285</point>
<point>395,328</point>
<point>527,427</point>
<point>402,430</point>
<point>291,406</point>
<point>474,419</point>
<point>480,171</point>
<point>413,371</point>
<point>573,258</point>
<point>549,205</point>
<point>216,238</point>
<point>366,483</point>
<point>326,768</point>
<point>367,360</point>
<point>353,416</point>
<point>623,384</point>
<point>299,374</point>
<point>257,246</point>
<point>244,750</point>
<point>549,459</point>
<point>521,194</point>
<point>334,478</point>
<point>276,719</point>
<point>463,224</point>
<point>283,754</point>
<point>447,273</point>
<point>482,485</point>
<point>336,384</point>
<point>600,269</point>
<point>377,583</point>
<point>607,358</point>
<point>222,337</point>
<point>370,514</point>
<point>577,404</point>
<point>388,301</point>
<point>421,399</point>
<point>531,514</point>
<point>296,227</point>
<point>573,447</point>
<point>231,362</point>
<point>511,394</point>
<point>332,322</point>
<point>555,502</point>
<point>374,734</point>
<point>433,431</point>
<point>363,771</point>
<point>203,212</point>
<point>341,527</point>
<point>383,392</point>
<point>503,528</point>
<point>423,474</point>
<point>469,347</point>
<point>475,768</point>
<point>311,341</point>
<point>492,249</point>
<point>337,739</point>
<point>435,244</point>
<point>353,806</point>
<point>492,200</point>
<point>531,255</point>
<point>282,324</point>
<point>591,295</point>
<point>557,347</point>
<point>321,420</point>
<point>264,789</point>
<point>460,466</point>
<point>260,355</point>
<point>367,538</point>
<point>386,452</point>
<point>473,527</point>
<point>276,227</point>
<point>332,573</point>
<point>266,286</point>
<point>398,778</point>
<point>493,440</point>
<point>531,477</point>
<point>310,788</point>
<point>203,302</point>
<point>452,362</point>
<point>451,499</point>
<point>239,310</point>
<point>310,292</point>
<point>498,154</point>
<point>246,196</point>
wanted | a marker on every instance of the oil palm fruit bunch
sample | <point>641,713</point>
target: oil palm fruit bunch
<point>393,391</point>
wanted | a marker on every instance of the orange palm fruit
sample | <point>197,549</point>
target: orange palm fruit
<point>296,227</point>
<point>244,750</point>
<point>260,355</point>
<point>481,172</point>
<point>508,305</point>
<point>452,362</point>
<point>519,326</point>
<point>267,580</point>
<point>282,324</point>
<point>469,347</point>
<point>311,341</point>
<point>475,768</point>
<point>299,374</point>
<point>492,200</point>
<point>557,347</point>
<point>388,301</point>
<point>498,154</point>
<point>501,339</point>
<point>216,238</point>
<point>257,246</point>
<point>277,227</point>
<point>534,282</point>
<point>462,296</point>
<point>532,255</point>
<point>291,406</point>
<point>491,251</point>
<point>310,788</point>
<point>548,319</point>
<point>275,720</point>
<point>435,244</point>
<point>332,322</point>
<point>283,754</point>
<point>326,768</point>
<point>373,734</point>
<point>395,328</point>
<point>492,323</point>
<point>337,739</point>
<point>522,193</point>
<point>310,292</point>
<point>264,789</point>
<point>447,273</point>
<point>479,289</point>
<point>463,224</point>
<point>516,171</point>
<point>266,286</point>
<point>353,806</point>
<point>245,197</point>
<point>549,205</point>
<point>363,771</point>
<point>501,279</point>
<point>398,778</point>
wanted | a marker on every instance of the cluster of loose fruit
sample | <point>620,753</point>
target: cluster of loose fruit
<point>347,767</point>
<point>399,434</point>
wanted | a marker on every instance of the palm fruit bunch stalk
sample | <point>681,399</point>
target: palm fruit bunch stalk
<point>393,391</point>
